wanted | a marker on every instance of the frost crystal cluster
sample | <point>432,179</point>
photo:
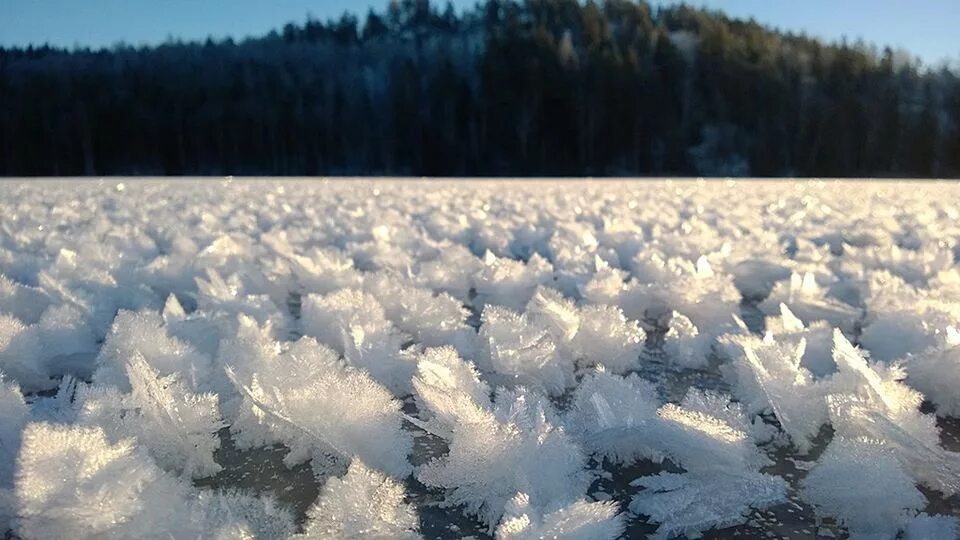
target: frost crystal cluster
<point>519,360</point>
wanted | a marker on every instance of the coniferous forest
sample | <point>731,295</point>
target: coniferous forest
<point>532,88</point>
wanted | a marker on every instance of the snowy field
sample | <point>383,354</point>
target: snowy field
<point>208,358</point>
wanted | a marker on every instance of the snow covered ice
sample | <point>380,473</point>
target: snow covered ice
<point>571,359</point>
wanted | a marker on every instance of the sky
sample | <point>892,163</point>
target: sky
<point>927,28</point>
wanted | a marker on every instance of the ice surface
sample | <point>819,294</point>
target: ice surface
<point>927,527</point>
<point>522,359</point>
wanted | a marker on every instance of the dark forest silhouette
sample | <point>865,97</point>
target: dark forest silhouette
<point>542,87</point>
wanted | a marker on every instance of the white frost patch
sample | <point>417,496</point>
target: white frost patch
<point>363,504</point>
<point>580,520</point>
<point>495,452</point>
<point>294,392</point>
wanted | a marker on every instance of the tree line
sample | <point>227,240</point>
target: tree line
<point>538,87</point>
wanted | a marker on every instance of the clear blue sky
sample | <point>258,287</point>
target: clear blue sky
<point>927,28</point>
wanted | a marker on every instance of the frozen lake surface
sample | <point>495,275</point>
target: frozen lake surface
<point>353,358</point>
